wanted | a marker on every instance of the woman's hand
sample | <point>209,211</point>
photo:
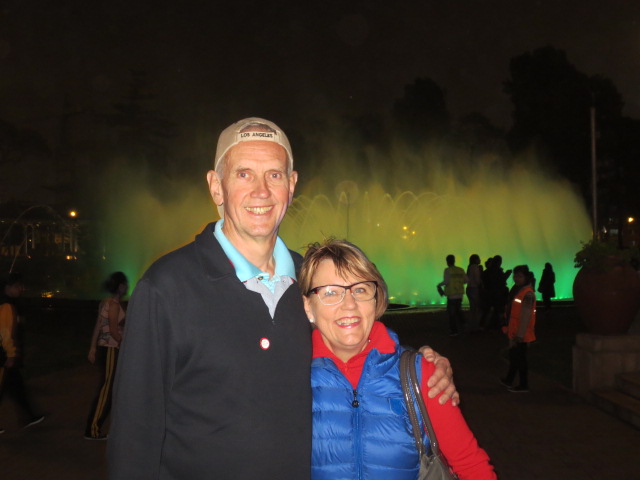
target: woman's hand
<point>92,355</point>
<point>442,378</point>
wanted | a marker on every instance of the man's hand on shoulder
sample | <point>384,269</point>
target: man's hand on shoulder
<point>442,378</point>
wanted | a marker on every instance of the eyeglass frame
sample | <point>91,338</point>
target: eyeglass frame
<point>346,287</point>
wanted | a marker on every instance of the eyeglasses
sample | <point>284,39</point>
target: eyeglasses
<point>334,294</point>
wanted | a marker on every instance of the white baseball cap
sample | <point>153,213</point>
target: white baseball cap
<point>251,129</point>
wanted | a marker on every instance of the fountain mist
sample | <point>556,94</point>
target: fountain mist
<point>519,213</point>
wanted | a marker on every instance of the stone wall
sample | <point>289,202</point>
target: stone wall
<point>597,359</point>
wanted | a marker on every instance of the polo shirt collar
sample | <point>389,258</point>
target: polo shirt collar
<point>245,270</point>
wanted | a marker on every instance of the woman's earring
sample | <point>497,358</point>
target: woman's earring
<point>311,320</point>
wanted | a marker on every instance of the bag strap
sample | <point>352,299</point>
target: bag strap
<point>411,390</point>
<point>408,398</point>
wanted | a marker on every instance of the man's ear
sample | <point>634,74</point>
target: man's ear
<point>293,179</point>
<point>215,187</point>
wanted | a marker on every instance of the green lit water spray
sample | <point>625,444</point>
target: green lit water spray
<point>519,213</point>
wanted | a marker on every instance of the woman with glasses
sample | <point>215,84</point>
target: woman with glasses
<point>361,427</point>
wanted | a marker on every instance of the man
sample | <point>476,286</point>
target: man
<point>453,281</point>
<point>213,376</point>
<point>497,292</point>
<point>11,381</point>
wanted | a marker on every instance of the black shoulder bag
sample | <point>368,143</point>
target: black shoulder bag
<point>433,466</point>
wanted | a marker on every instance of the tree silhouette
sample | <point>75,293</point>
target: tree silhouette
<point>552,102</point>
<point>141,133</point>
<point>421,114</point>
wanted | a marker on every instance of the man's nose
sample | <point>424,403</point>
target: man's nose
<point>261,188</point>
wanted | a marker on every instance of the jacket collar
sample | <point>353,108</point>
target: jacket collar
<point>215,264</point>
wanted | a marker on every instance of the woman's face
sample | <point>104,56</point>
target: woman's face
<point>122,289</point>
<point>344,327</point>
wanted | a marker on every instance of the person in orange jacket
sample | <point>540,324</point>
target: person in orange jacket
<point>520,328</point>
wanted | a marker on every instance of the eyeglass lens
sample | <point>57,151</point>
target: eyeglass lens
<point>333,294</point>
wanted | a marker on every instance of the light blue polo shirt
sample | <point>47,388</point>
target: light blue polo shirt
<point>270,288</point>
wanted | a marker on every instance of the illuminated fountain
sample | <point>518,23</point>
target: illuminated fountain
<point>526,218</point>
<point>519,213</point>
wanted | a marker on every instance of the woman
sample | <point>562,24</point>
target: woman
<point>105,342</point>
<point>520,329</point>
<point>547,285</point>
<point>361,428</point>
<point>474,284</point>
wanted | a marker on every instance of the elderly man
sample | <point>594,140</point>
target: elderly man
<point>213,377</point>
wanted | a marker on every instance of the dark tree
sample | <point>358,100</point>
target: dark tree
<point>479,136</point>
<point>17,143</point>
<point>141,133</point>
<point>421,114</point>
<point>552,103</point>
<point>25,165</point>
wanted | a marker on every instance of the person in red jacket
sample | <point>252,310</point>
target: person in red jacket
<point>520,329</point>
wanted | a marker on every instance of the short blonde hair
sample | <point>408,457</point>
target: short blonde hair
<point>347,258</point>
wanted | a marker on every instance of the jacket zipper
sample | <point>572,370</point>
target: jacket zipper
<point>355,404</point>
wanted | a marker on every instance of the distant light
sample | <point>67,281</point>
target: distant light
<point>631,219</point>
<point>73,213</point>
<point>405,228</point>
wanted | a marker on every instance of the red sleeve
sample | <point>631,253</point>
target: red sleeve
<point>457,443</point>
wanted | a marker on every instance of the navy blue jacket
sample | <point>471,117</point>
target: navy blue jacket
<point>196,396</point>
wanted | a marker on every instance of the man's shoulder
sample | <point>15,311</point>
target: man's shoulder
<point>183,256</point>
<point>172,259</point>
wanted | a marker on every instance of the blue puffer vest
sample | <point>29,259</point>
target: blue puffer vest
<point>363,434</point>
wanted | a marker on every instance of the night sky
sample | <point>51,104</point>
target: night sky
<point>211,62</point>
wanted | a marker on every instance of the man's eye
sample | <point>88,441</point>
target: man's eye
<point>276,176</point>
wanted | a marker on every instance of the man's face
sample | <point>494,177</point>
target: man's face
<point>255,189</point>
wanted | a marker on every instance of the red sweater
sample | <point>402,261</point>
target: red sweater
<point>457,443</point>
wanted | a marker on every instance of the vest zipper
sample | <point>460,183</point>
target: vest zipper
<point>355,404</point>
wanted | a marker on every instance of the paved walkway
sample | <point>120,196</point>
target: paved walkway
<point>547,434</point>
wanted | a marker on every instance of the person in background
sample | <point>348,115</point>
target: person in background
<point>474,287</point>
<point>453,282</point>
<point>12,352</point>
<point>497,292</point>
<point>520,329</point>
<point>213,380</point>
<point>103,351</point>
<point>547,285</point>
<point>360,418</point>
